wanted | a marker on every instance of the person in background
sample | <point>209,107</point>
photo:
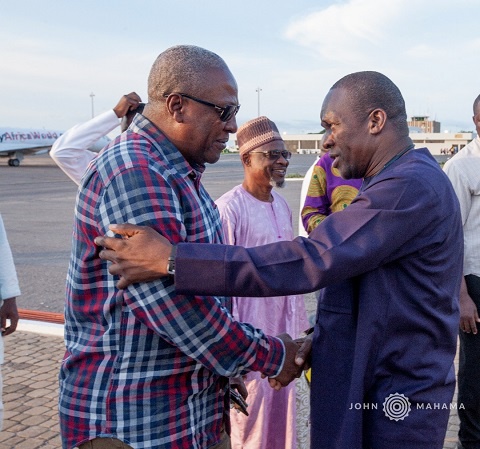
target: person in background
<point>463,170</point>
<point>9,290</point>
<point>327,192</point>
<point>304,190</point>
<point>386,331</point>
<point>145,366</point>
<point>254,214</point>
<point>303,195</point>
<point>71,150</point>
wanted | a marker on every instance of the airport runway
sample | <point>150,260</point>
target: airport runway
<point>37,201</point>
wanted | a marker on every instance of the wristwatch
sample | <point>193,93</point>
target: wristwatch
<point>171,261</point>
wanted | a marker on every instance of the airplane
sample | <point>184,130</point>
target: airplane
<point>15,143</point>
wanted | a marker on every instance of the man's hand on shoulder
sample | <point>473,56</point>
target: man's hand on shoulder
<point>141,255</point>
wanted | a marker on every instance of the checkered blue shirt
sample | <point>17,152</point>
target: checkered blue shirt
<point>146,365</point>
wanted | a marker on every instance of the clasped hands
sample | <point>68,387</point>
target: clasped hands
<point>297,359</point>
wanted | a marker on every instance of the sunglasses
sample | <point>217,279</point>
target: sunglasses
<point>226,113</point>
<point>273,155</point>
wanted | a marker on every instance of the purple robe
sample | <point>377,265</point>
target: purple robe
<point>387,322</point>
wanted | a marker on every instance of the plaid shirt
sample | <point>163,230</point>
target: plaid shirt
<point>146,365</point>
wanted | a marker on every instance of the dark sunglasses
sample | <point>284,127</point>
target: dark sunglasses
<point>226,113</point>
<point>273,155</point>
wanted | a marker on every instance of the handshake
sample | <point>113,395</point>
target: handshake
<point>297,359</point>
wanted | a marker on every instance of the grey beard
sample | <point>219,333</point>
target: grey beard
<point>278,184</point>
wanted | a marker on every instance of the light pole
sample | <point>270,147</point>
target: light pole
<point>91,96</point>
<point>258,99</point>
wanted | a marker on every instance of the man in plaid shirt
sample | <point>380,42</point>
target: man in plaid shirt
<point>145,367</point>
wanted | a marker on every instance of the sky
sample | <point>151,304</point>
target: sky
<point>56,53</point>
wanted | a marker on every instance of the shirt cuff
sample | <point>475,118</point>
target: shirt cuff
<point>276,358</point>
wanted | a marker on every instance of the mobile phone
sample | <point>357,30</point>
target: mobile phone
<point>237,402</point>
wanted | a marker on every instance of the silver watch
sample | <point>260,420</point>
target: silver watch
<point>171,261</point>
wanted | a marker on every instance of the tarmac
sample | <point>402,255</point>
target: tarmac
<point>32,359</point>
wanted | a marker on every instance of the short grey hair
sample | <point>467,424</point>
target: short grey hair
<point>181,68</point>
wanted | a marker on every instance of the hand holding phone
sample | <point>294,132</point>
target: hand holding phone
<point>237,402</point>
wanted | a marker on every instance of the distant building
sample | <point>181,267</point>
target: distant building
<point>437,143</point>
<point>423,132</point>
<point>303,143</point>
<point>425,125</point>
<point>441,143</point>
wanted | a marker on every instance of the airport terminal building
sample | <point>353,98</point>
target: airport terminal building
<point>423,132</point>
<point>437,143</point>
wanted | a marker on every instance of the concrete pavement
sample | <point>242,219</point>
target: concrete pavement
<point>32,359</point>
<point>30,392</point>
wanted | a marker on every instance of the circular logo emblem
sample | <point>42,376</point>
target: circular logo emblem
<point>396,407</point>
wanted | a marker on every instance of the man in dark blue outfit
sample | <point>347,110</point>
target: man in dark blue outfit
<point>390,265</point>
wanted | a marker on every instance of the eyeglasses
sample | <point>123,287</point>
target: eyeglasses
<point>273,155</point>
<point>226,112</point>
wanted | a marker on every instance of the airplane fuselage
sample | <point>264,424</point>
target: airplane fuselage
<point>15,143</point>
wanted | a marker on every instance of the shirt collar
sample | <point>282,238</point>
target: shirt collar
<point>148,130</point>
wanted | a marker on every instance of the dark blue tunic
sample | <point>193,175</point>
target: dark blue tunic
<point>387,319</point>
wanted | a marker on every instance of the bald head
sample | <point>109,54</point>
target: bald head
<point>181,68</point>
<point>372,90</point>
